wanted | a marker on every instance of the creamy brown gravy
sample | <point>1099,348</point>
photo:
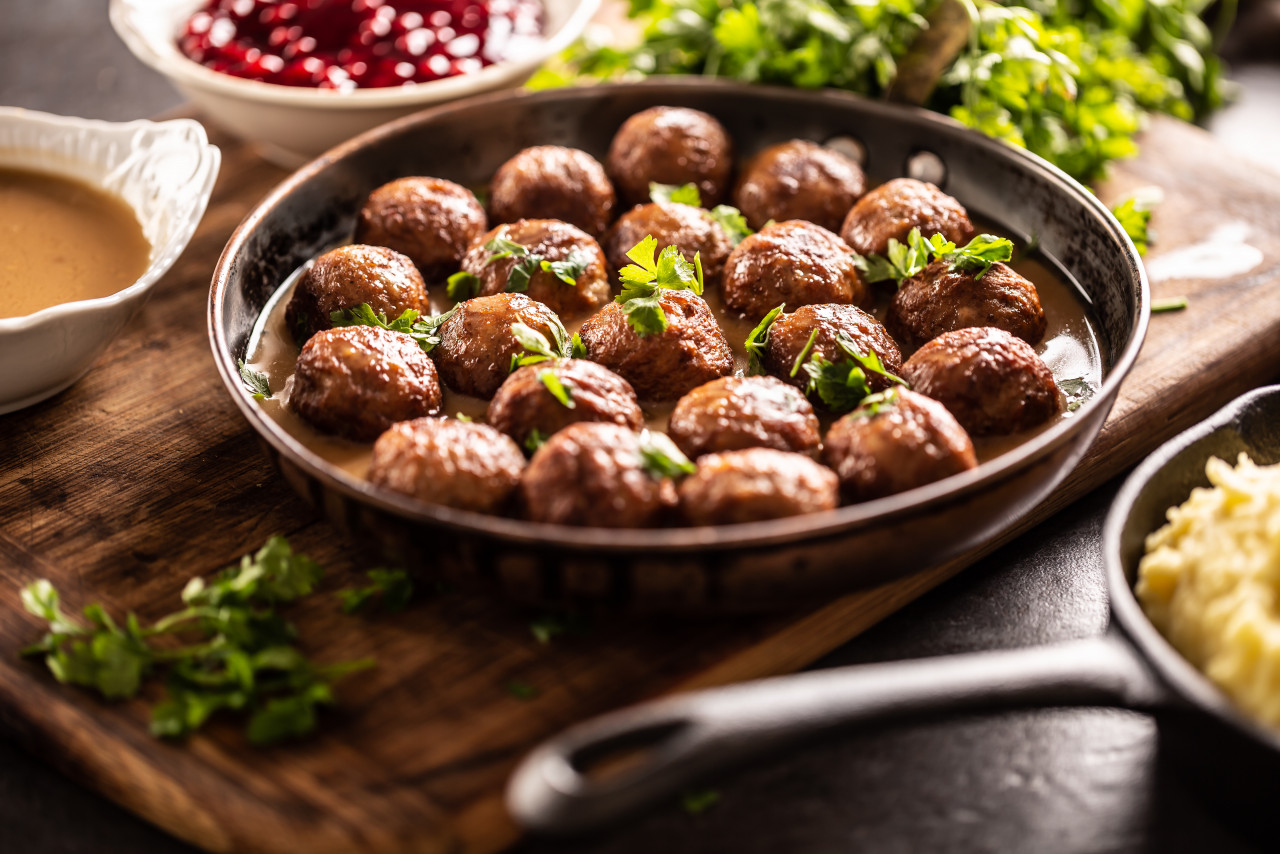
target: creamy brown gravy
<point>63,240</point>
<point>1070,349</point>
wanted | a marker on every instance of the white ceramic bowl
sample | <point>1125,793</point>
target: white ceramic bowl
<point>163,170</point>
<point>294,124</point>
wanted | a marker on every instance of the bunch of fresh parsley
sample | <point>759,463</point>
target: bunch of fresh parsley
<point>226,649</point>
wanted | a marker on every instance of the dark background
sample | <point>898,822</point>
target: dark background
<point>1075,780</point>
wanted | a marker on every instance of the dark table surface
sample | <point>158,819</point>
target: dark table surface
<point>1067,780</point>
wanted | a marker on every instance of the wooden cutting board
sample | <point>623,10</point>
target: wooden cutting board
<point>143,474</point>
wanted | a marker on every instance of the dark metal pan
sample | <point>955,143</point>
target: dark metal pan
<point>604,769</point>
<point>766,565</point>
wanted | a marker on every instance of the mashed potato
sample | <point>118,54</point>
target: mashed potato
<point>1210,582</point>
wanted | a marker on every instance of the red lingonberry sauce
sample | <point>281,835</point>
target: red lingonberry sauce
<point>350,44</point>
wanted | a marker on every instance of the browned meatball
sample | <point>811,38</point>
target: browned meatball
<point>476,344</point>
<point>592,474</point>
<point>790,333</point>
<point>449,462</point>
<point>939,299</point>
<point>431,220</point>
<point>550,240</point>
<point>895,207</point>
<point>525,404</point>
<point>671,224</point>
<point>992,382</point>
<point>670,145</point>
<point>359,380</point>
<point>344,278</point>
<point>691,351</point>
<point>795,262</point>
<point>799,180</point>
<point>754,485</point>
<point>899,442</point>
<point>553,182</point>
<point>733,413</point>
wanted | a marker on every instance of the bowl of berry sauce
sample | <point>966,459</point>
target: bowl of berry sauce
<point>300,77</point>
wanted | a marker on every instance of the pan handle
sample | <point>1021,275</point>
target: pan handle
<point>616,764</point>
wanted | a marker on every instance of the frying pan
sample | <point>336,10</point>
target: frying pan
<point>729,567</point>
<point>604,769</point>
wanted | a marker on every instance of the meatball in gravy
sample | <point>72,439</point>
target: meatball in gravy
<point>345,277</point>
<point>430,220</point>
<point>662,366</point>
<point>525,406</point>
<point>893,442</point>
<point>790,333</point>
<point>357,381</point>
<point>550,240</point>
<point>754,485</point>
<point>939,299</point>
<point>992,382</point>
<point>891,210</point>
<point>671,224</point>
<point>733,413</point>
<point>799,180</point>
<point>793,262</point>
<point>593,474</point>
<point>670,145</point>
<point>553,182</point>
<point>476,344</point>
<point>445,461</point>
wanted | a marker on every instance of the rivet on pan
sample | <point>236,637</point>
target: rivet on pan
<point>927,166</point>
<point>849,147</point>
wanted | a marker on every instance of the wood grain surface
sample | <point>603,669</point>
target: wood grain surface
<point>143,475</point>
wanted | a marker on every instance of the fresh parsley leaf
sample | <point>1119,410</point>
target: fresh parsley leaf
<point>255,381</point>
<point>1077,391</point>
<point>226,650</point>
<point>650,273</point>
<point>843,384</point>
<point>392,586</point>
<point>978,255</point>
<point>537,347</point>
<point>577,350</point>
<point>757,342</point>
<point>558,389</point>
<point>699,801</point>
<point>870,362</point>
<point>425,331</point>
<point>570,268</point>
<point>1134,216</point>
<point>522,690</point>
<point>463,286</point>
<point>1161,306</point>
<point>535,440</point>
<point>464,417</point>
<point>685,195</point>
<point>804,351</point>
<point>874,404</point>
<point>527,263</point>
<point>904,260</point>
<point>661,458</point>
<point>733,223</point>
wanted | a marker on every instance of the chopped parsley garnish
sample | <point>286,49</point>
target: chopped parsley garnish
<point>643,280</point>
<point>757,342</point>
<point>727,216</point>
<point>425,331</point>
<point>559,390</point>
<point>538,348</point>
<point>843,384</point>
<point>903,260</point>
<point>1158,306</point>
<point>227,649</point>
<point>527,263</point>
<point>463,286</point>
<point>535,440</point>
<point>804,351</point>
<point>661,458</point>
<point>392,587</point>
<point>255,381</point>
<point>684,195</point>
<point>874,404</point>
<point>1077,390</point>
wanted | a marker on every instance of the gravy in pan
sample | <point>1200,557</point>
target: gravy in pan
<point>1070,348</point>
<point>62,241</point>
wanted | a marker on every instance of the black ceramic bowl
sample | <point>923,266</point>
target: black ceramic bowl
<point>744,566</point>
<point>1232,761</point>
